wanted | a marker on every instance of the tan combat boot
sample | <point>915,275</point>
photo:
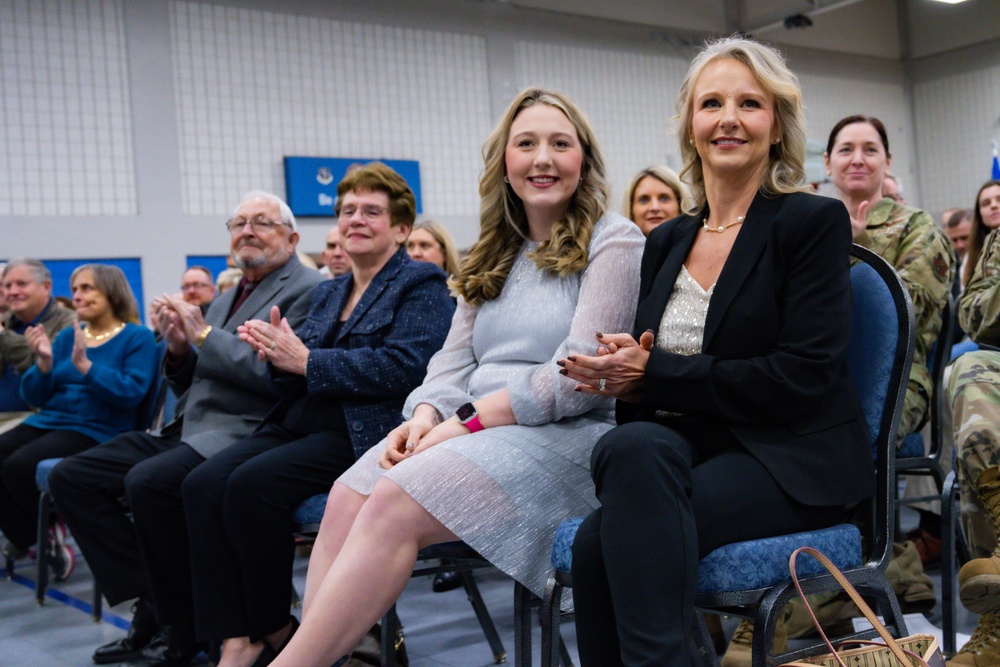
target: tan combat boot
<point>979,579</point>
<point>740,650</point>
<point>983,649</point>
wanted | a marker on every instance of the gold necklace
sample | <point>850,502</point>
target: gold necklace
<point>99,337</point>
<point>721,228</point>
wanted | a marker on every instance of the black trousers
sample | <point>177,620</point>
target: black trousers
<point>667,499</point>
<point>88,488</point>
<point>239,506</point>
<point>21,450</point>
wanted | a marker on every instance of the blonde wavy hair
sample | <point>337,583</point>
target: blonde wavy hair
<point>503,225</point>
<point>786,172</point>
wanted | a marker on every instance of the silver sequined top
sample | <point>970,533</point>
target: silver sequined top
<point>682,328</point>
<point>504,490</point>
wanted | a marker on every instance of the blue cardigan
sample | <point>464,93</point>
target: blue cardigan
<point>105,401</point>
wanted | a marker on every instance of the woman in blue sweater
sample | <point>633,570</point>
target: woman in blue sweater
<point>88,384</point>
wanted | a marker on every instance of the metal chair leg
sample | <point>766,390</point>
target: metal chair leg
<point>96,607</point>
<point>483,615</point>
<point>564,653</point>
<point>523,602</point>
<point>42,545</point>
<point>390,626</point>
<point>949,568</point>
<point>549,616</point>
<point>703,648</point>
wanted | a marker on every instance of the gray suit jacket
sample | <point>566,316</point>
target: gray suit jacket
<point>227,390</point>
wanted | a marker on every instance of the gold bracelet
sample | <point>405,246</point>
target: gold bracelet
<point>200,340</point>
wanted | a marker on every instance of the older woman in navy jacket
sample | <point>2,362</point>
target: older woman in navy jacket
<point>363,347</point>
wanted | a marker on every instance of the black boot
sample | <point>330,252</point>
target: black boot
<point>172,646</point>
<point>143,627</point>
<point>446,581</point>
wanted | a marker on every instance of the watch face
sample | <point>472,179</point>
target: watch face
<point>466,412</point>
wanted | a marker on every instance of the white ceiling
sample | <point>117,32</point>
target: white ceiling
<point>861,27</point>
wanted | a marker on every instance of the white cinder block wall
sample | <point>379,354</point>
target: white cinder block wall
<point>131,128</point>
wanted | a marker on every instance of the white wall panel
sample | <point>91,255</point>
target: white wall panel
<point>254,86</point>
<point>65,130</point>
<point>957,118</point>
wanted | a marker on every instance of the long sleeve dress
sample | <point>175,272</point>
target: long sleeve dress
<point>504,490</point>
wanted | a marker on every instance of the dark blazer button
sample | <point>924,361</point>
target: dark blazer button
<point>358,426</point>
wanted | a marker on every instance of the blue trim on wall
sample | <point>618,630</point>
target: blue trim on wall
<point>311,182</point>
<point>62,269</point>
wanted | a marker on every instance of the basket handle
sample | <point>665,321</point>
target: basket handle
<point>855,596</point>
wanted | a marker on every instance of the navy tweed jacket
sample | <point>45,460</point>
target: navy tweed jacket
<point>380,354</point>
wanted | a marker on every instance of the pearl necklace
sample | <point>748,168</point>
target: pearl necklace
<point>721,228</point>
<point>99,337</point>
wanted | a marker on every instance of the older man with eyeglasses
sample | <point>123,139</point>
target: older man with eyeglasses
<point>226,393</point>
<point>197,288</point>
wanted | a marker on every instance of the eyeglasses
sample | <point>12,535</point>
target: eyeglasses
<point>191,286</point>
<point>368,212</point>
<point>260,225</point>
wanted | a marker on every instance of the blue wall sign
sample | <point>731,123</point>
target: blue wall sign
<point>311,182</point>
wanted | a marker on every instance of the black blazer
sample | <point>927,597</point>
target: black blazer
<point>772,368</point>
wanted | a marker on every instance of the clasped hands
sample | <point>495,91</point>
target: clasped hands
<point>418,434</point>
<point>179,322</point>
<point>276,343</point>
<point>41,347</point>
<point>618,370</point>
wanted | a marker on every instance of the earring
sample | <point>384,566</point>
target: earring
<point>505,179</point>
<point>776,141</point>
<point>691,141</point>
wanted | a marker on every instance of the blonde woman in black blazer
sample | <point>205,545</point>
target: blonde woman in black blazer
<point>737,418</point>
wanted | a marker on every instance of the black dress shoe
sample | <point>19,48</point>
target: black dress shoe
<point>143,627</point>
<point>446,581</point>
<point>172,646</point>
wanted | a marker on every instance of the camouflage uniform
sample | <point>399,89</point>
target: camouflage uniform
<point>974,389</point>
<point>912,243</point>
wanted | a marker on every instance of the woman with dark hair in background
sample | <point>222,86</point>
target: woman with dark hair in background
<point>986,218</point>
<point>88,383</point>
<point>857,159</point>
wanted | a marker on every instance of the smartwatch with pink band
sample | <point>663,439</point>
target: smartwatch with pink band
<point>468,416</point>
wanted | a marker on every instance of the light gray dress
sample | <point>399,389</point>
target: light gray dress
<point>504,490</point>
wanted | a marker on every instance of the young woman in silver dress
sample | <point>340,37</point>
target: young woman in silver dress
<point>496,444</point>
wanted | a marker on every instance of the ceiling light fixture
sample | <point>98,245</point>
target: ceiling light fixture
<point>950,2</point>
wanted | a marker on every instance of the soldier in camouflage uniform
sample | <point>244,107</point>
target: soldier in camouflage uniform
<point>912,243</point>
<point>921,253</point>
<point>974,389</point>
<point>909,240</point>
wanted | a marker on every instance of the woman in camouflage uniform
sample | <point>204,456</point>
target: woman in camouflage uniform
<point>975,391</point>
